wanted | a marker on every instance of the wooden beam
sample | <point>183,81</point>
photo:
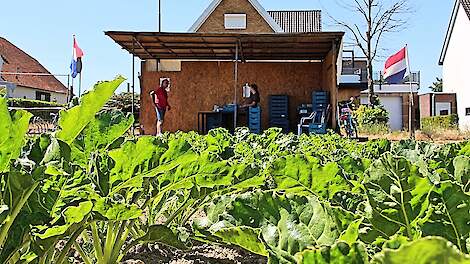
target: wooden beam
<point>140,45</point>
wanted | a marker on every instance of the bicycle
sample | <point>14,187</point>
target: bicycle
<point>347,120</point>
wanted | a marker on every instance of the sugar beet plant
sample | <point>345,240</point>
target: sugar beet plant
<point>91,189</point>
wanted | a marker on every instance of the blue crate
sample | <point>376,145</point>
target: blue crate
<point>230,108</point>
<point>317,128</point>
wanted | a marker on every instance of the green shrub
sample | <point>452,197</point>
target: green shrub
<point>27,103</point>
<point>374,129</point>
<point>372,119</point>
<point>439,122</point>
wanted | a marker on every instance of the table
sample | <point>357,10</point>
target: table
<point>207,120</point>
<point>202,120</point>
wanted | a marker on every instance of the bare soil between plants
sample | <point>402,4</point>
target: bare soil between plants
<point>199,253</point>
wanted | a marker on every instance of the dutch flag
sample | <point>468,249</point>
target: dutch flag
<point>395,67</point>
<point>76,65</point>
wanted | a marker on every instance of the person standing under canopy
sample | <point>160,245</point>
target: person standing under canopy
<point>160,101</point>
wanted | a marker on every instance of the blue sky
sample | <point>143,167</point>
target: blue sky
<point>44,29</point>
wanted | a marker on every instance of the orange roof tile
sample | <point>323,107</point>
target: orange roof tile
<point>16,60</point>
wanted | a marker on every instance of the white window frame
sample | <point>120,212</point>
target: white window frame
<point>235,21</point>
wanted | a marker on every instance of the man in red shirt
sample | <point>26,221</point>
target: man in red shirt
<point>160,101</point>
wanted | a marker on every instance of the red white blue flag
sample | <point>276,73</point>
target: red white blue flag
<point>76,65</point>
<point>395,67</point>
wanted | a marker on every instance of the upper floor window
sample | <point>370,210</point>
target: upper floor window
<point>467,111</point>
<point>235,21</point>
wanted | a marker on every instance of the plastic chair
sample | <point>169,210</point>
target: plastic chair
<point>316,123</point>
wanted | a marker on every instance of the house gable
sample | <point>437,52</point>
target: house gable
<point>459,6</point>
<point>257,19</point>
<point>16,60</point>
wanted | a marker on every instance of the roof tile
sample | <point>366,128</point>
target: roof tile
<point>17,60</point>
<point>298,21</point>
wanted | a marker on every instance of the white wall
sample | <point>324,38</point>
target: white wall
<point>394,107</point>
<point>456,70</point>
<point>29,93</point>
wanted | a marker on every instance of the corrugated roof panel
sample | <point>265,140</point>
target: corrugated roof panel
<point>298,21</point>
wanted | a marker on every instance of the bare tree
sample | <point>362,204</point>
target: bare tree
<point>376,19</point>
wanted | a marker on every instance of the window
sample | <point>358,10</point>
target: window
<point>467,111</point>
<point>444,112</point>
<point>235,21</point>
<point>43,96</point>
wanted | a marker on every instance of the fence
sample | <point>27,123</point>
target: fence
<point>44,119</point>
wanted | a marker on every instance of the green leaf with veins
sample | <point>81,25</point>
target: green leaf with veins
<point>462,171</point>
<point>245,237</point>
<point>398,195</point>
<point>449,215</point>
<point>72,215</point>
<point>74,120</point>
<point>102,131</point>
<point>423,251</point>
<point>134,158</point>
<point>162,235</point>
<point>302,174</point>
<point>13,128</point>
<point>116,211</point>
<point>340,253</point>
<point>288,224</point>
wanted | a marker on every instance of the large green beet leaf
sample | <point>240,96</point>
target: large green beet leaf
<point>462,171</point>
<point>13,128</point>
<point>422,251</point>
<point>449,215</point>
<point>74,120</point>
<point>398,195</point>
<point>340,253</point>
<point>303,174</point>
<point>102,131</point>
<point>286,224</point>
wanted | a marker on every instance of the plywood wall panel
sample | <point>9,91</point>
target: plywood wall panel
<point>201,85</point>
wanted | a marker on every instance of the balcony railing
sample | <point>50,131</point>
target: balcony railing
<point>361,75</point>
<point>415,78</point>
<point>359,72</point>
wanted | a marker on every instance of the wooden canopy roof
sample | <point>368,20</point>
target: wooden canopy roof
<point>222,46</point>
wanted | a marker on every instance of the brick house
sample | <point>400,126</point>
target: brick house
<point>24,77</point>
<point>283,52</point>
<point>454,59</point>
<point>437,104</point>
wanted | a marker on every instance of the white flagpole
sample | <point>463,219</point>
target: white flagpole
<point>411,99</point>
<point>71,92</point>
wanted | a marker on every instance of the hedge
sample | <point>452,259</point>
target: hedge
<point>27,103</point>
<point>439,122</point>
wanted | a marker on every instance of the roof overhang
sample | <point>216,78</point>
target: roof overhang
<point>222,46</point>
<point>450,29</point>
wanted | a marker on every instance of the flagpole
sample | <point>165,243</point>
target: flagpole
<point>71,88</point>
<point>80,84</point>
<point>411,99</point>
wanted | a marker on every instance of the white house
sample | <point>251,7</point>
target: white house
<point>22,76</point>
<point>455,58</point>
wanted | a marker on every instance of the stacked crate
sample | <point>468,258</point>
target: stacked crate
<point>279,112</point>
<point>320,102</point>
<point>254,119</point>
